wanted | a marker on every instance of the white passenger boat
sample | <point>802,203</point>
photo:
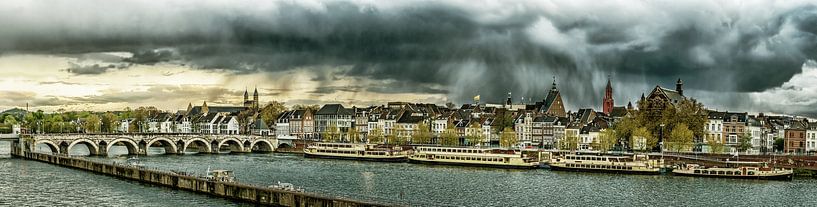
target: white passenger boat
<point>367,152</point>
<point>636,164</point>
<point>499,158</point>
<point>219,175</point>
<point>737,170</point>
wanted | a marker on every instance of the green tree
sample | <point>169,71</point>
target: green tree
<point>449,137</point>
<point>715,144</point>
<point>422,135</point>
<point>109,122</point>
<point>331,134</point>
<point>352,135</point>
<point>306,107</point>
<point>474,135</point>
<point>508,138</point>
<point>606,140</point>
<point>92,124</point>
<point>680,138</point>
<point>569,142</point>
<point>10,120</point>
<point>744,142</point>
<point>641,139</point>
<point>779,144</point>
<point>375,136</point>
<point>271,111</point>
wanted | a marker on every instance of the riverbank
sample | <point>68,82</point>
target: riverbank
<point>256,195</point>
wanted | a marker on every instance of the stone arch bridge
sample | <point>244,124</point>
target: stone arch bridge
<point>137,144</point>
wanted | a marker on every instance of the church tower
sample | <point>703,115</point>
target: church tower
<point>607,102</point>
<point>679,86</point>
<point>255,99</point>
<point>246,97</point>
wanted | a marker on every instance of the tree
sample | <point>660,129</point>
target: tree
<point>745,142</point>
<point>109,122</point>
<point>569,142</point>
<point>449,137</point>
<point>641,139</point>
<point>375,136</point>
<point>92,124</point>
<point>508,138</point>
<point>270,112</point>
<point>606,141</point>
<point>715,144</point>
<point>10,120</point>
<point>393,137</point>
<point>779,144</point>
<point>680,138</point>
<point>474,136</point>
<point>352,135</point>
<point>331,134</point>
<point>140,117</point>
<point>422,135</point>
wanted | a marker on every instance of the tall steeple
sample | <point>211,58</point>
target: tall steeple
<point>554,84</point>
<point>246,95</point>
<point>607,101</point>
<point>255,99</point>
<point>679,86</point>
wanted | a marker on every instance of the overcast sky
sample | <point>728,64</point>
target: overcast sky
<point>740,55</point>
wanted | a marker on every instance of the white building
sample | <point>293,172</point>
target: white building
<point>713,129</point>
<point>811,138</point>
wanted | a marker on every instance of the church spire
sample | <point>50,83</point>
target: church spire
<point>607,101</point>
<point>246,95</point>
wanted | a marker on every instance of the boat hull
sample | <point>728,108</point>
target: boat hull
<point>429,162</point>
<point>783,177</point>
<point>372,159</point>
<point>634,172</point>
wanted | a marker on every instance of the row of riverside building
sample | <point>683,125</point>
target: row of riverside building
<point>536,124</point>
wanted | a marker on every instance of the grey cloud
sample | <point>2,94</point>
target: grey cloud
<point>94,69</point>
<point>462,46</point>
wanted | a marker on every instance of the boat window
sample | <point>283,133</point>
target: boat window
<point>721,172</point>
<point>751,172</point>
<point>730,173</point>
<point>704,172</point>
<point>737,172</point>
<point>713,172</point>
<point>697,171</point>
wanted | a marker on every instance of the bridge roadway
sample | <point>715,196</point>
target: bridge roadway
<point>137,144</point>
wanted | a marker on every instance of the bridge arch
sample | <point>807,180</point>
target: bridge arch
<point>199,141</point>
<point>233,143</point>
<point>263,146</point>
<point>93,148</point>
<point>169,145</point>
<point>132,147</point>
<point>55,148</point>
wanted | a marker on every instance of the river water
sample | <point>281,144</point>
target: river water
<point>32,183</point>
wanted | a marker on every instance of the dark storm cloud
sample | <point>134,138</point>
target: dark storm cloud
<point>460,48</point>
<point>94,69</point>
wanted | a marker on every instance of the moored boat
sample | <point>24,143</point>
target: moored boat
<point>636,164</point>
<point>366,152</point>
<point>219,175</point>
<point>497,158</point>
<point>736,170</point>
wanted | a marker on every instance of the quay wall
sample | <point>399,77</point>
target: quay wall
<point>230,190</point>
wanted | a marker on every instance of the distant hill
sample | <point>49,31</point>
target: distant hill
<point>15,111</point>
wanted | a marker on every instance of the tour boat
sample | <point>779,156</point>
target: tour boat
<point>637,164</point>
<point>738,170</point>
<point>367,152</point>
<point>219,175</point>
<point>286,187</point>
<point>499,158</point>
